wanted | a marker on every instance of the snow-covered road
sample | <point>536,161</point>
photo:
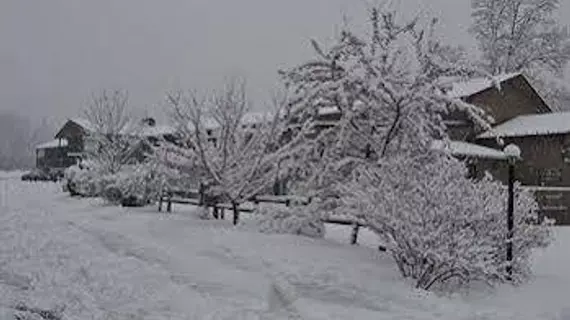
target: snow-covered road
<point>101,262</point>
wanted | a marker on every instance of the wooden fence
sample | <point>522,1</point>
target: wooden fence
<point>193,197</point>
<point>553,203</point>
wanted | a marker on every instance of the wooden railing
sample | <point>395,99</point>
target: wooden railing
<point>193,197</point>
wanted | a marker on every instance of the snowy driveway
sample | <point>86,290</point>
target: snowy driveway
<point>101,262</point>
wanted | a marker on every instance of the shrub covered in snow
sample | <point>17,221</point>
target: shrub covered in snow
<point>440,226</point>
<point>299,220</point>
<point>136,185</point>
<point>82,181</point>
<point>133,185</point>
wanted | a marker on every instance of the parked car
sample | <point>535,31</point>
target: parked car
<point>35,175</point>
<point>42,175</point>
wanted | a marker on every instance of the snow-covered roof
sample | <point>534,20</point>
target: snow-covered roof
<point>532,125</point>
<point>84,123</point>
<point>476,85</point>
<point>462,148</point>
<point>249,118</point>
<point>52,144</point>
<point>156,131</point>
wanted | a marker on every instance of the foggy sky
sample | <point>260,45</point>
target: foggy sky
<point>54,53</point>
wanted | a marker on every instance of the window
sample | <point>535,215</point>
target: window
<point>41,153</point>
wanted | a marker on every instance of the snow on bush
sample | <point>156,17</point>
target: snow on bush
<point>298,220</point>
<point>203,213</point>
<point>82,181</point>
<point>138,184</point>
<point>441,227</point>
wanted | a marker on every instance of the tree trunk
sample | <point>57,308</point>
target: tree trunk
<point>215,211</point>
<point>236,212</point>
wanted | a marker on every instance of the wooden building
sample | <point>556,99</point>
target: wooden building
<point>510,96</point>
<point>521,116</point>
<point>53,155</point>
<point>75,139</point>
<point>544,140</point>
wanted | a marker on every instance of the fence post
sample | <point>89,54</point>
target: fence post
<point>236,213</point>
<point>201,188</point>
<point>354,234</point>
<point>169,203</point>
<point>160,200</point>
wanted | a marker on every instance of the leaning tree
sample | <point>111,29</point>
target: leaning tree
<point>377,162</point>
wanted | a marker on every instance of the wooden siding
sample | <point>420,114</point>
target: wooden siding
<point>544,163</point>
<point>74,134</point>
<point>51,158</point>
<point>515,98</point>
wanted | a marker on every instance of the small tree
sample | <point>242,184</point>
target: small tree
<point>237,151</point>
<point>109,118</point>
<point>377,164</point>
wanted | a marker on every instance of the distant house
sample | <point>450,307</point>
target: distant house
<point>76,132</point>
<point>75,139</point>
<point>53,155</point>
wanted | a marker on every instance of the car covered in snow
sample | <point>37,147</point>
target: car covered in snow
<point>42,175</point>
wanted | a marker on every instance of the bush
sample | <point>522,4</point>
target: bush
<point>137,185</point>
<point>298,220</point>
<point>441,227</point>
<point>82,181</point>
<point>133,185</point>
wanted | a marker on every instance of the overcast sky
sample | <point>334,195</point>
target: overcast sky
<point>54,53</point>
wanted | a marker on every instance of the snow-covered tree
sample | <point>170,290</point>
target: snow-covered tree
<point>523,35</point>
<point>376,163</point>
<point>389,88</point>
<point>554,89</point>
<point>109,118</point>
<point>440,226</point>
<point>237,151</point>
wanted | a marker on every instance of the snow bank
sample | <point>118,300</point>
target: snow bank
<point>106,262</point>
<point>289,220</point>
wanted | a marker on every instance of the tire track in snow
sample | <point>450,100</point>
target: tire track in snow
<point>159,256</point>
<point>121,245</point>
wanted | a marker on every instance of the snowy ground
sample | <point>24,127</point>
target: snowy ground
<point>101,262</point>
